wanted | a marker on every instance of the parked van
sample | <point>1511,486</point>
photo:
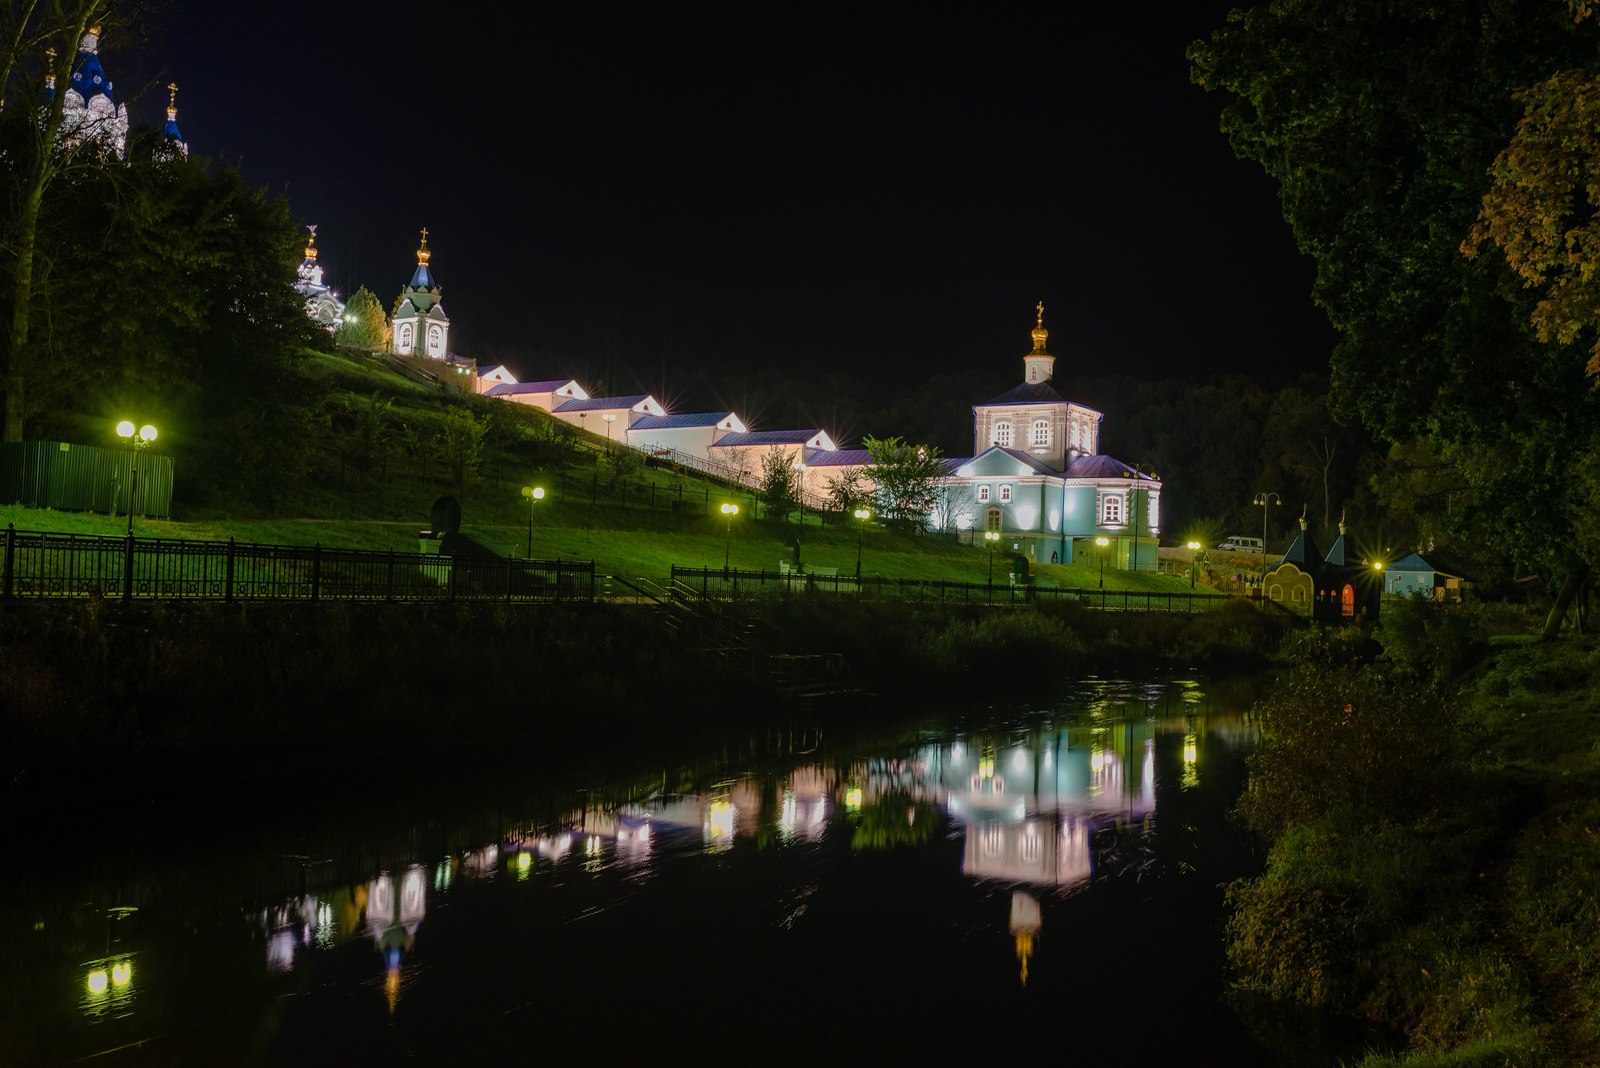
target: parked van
<point>1237,544</point>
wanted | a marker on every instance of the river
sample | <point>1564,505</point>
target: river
<point>1000,882</point>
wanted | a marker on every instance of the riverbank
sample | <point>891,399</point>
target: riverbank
<point>1434,820</point>
<point>212,698</point>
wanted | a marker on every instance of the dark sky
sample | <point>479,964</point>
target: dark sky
<point>625,192</point>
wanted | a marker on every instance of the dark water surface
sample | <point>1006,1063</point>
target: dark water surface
<point>1047,884</point>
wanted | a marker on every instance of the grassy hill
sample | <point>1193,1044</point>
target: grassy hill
<point>380,453</point>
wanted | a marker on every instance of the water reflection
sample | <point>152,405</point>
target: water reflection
<point>1039,811</point>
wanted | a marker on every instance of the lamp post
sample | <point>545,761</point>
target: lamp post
<point>534,495</point>
<point>1263,499</point>
<point>992,537</point>
<point>1194,547</point>
<point>862,515</point>
<point>135,443</point>
<point>1102,542</point>
<point>609,418</point>
<point>728,512</point>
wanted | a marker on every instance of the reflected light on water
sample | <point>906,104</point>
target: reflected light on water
<point>108,988</point>
<point>720,816</point>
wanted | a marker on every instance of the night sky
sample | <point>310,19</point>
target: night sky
<point>654,197</point>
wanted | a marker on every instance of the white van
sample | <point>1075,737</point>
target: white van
<point>1238,544</point>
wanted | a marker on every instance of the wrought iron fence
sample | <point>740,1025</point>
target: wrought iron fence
<point>748,585</point>
<point>40,564</point>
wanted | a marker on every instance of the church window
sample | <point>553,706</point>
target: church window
<point>1002,435</point>
<point>1076,443</point>
<point>1041,432</point>
<point>1111,510</point>
<point>405,337</point>
<point>983,493</point>
<point>991,521</point>
<point>1005,494</point>
<point>1154,508</point>
<point>1347,601</point>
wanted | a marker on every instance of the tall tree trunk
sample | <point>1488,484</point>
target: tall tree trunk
<point>1570,588</point>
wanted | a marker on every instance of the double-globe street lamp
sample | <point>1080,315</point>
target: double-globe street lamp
<point>728,512</point>
<point>993,538</point>
<point>1194,547</point>
<point>534,495</point>
<point>862,515</point>
<point>136,442</point>
<point>1264,499</point>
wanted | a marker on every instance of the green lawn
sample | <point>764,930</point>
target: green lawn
<point>641,525</point>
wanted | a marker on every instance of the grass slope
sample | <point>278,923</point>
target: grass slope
<point>640,525</point>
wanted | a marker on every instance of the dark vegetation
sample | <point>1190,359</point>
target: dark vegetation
<point>1430,795</point>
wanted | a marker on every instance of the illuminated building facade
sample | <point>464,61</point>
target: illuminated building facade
<point>419,326</point>
<point>322,304</point>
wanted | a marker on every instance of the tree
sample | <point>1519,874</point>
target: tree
<point>366,433</point>
<point>622,462</point>
<point>779,484</point>
<point>1380,122</point>
<point>37,160</point>
<point>907,477</point>
<point>363,325</point>
<point>848,490</point>
<point>461,440</point>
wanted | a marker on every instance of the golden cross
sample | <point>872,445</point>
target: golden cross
<point>1041,313</point>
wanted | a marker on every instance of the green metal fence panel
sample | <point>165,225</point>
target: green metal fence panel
<point>85,478</point>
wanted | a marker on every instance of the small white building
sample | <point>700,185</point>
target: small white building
<point>692,434</point>
<point>544,395</point>
<point>744,454</point>
<point>607,416</point>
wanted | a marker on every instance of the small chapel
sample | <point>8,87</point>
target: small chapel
<point>419,326</point>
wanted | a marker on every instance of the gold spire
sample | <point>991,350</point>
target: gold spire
<point>172,102</point>
<point>1341,522</point>
<point>311,242</point>
<point>1303,508</point>
<point>423,255</point>
<point>1039,332</point>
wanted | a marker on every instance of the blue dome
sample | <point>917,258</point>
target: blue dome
<point>89,78</point>
<point>422,278</point>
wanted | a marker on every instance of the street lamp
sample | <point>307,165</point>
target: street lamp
<point>862,515</point>
<point>1194,547</point>
<point>135,443</point>
<point>1102,542</point>
<point>534,494</point>
<point>992,537</point>
<point>728,512</point>
<point>1263,499</point>
<point>609,418</point>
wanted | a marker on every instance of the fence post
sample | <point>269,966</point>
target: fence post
<point>316,571</point>
<point>7,571</point>
<point>558,580</point>
<point>388,586</point>
<point>227,579</point>
<point>127,568</point>
<point>591,580</point>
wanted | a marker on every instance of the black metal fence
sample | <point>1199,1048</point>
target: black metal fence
<point>37,564</point>
<point>748,585</point>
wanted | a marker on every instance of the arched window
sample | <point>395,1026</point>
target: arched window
<point>405,337</point>
<point>1041,432</point>
<point>1002,434</point>
<point>1347,601</point>
<point>1005,494</point>
<point>1111,510</point>
<point>991,521</point>
<point>983,493</point>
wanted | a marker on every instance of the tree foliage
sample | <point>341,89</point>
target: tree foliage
<point>1380,122</point>
<point>779,484</point>
<point>907,479</point>
<point>363,325</point>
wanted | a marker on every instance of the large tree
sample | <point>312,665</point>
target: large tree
<point>906,478</point>
<point>40,41</point>
<point>1380,120</point>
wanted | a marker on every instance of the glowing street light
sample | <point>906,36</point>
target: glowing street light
<point>1263,499</point>
<point>993,538</point>
<point>862,515</point>
<point>728,512</point>
<point>534,495</point>
<point>609,419</point>
<point>1194,547</point>
<point>1102,542</point>
<point>135,441</point>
